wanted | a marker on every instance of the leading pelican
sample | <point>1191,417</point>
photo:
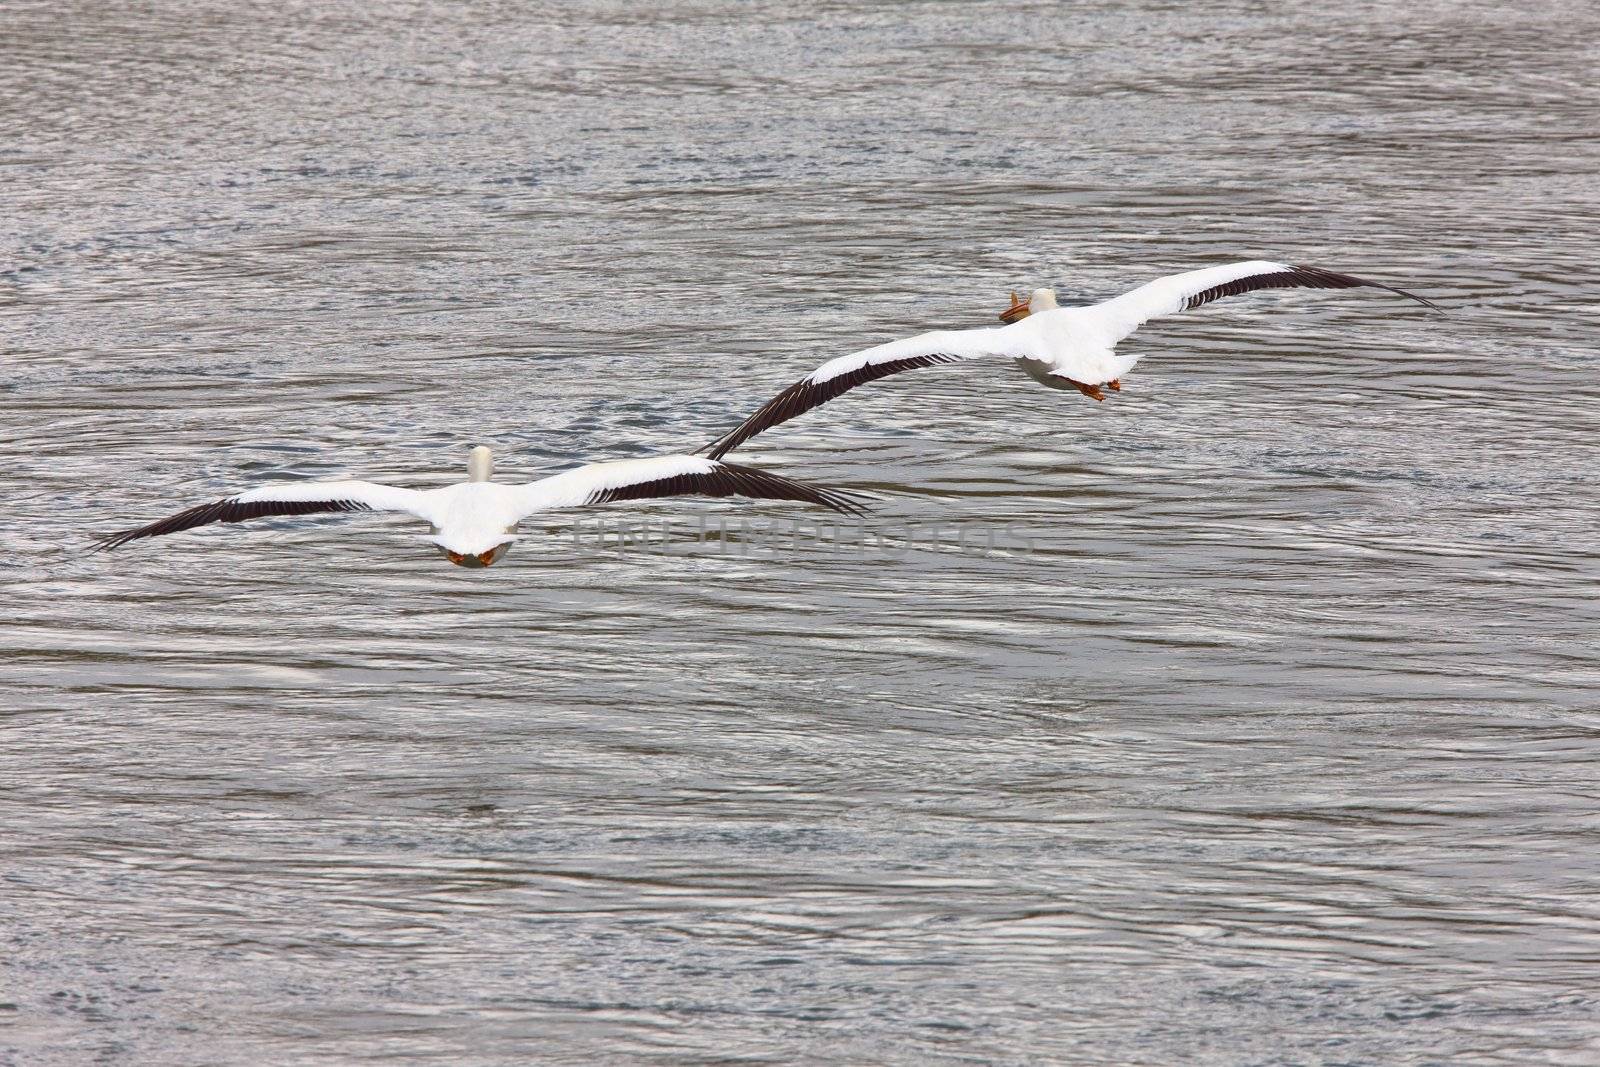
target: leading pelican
<point>1060,347</point>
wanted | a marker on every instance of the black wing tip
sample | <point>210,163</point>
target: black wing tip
<point>856,505</point>
<point>791,401</point>
<point>718,448</point>
<point>808,393</point>
<point>845,502</point>
<point>1350,281</point>
<point>840,500</point>
<point>229,509</point>
<point>107,542</point>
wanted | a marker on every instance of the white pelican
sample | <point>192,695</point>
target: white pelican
<point>1061,347</point>
<point>475,521</point>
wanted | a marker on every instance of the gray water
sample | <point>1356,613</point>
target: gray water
<point>1266,731</point>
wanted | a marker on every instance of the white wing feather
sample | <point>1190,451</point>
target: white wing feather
<point>580,486</point>
<point>838,376</point>
<point>285,498</point>
<point>664,476</point>
<point>369,494</point>
<point>1118,317</point>
<point>1004,341</point>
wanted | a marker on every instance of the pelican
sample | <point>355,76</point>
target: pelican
<point>1060,347</point>
<point>475,521</point>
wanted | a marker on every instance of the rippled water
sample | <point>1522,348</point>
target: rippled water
<point>1268,735</point>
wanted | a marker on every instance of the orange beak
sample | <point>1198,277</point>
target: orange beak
<point>1016,312</point>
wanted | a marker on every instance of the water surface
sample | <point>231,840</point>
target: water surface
<point>1268,734</point>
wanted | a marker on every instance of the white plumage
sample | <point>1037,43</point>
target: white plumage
<point>1064,348</point>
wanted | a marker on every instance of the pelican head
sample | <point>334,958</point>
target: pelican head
<point>1039,300</point>
<point>480,464</point>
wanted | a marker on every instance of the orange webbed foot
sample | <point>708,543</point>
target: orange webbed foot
<point>1115,385</point>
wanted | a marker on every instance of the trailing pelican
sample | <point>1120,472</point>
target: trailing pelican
<point>1061,347</point>
<point>475,521</point>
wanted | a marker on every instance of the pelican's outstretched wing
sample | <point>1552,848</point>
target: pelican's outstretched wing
<point>838,376</point>
<point>641,479</point>
<point>290,498</point>
<point>1179,292</point>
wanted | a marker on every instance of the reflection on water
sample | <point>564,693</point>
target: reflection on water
<point>1276,745</point>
